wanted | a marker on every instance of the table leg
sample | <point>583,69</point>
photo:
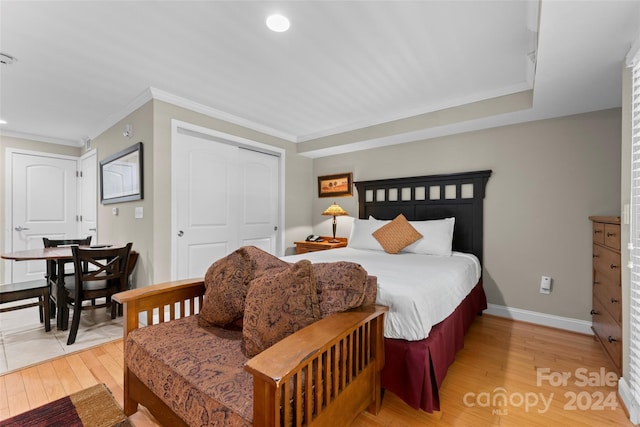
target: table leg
<point>61,303</point>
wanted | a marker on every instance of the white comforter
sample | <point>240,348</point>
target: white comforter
<point>420,290</point>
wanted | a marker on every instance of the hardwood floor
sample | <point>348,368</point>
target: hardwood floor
<point>509,374</point>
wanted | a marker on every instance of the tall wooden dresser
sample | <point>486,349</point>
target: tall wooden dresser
<point>606,312</point>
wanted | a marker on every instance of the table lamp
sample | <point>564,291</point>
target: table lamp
<point>334,210</point>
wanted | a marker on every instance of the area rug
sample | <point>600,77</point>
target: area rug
<point>93,407</point>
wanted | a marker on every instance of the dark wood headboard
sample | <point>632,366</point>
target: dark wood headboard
<point>460,195</point>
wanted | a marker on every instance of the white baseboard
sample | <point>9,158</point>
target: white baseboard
<point>575,325</point>
<point>629,402</point>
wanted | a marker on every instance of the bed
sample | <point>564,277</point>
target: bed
<point>432,298</point>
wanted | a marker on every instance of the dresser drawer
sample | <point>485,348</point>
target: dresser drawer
<point>598,232</point>
<point>606,262</point>
<point>608,332</point>
<point>609,296</point>
<point>612,236</point>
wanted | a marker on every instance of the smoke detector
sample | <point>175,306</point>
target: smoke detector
<point>7,59</point>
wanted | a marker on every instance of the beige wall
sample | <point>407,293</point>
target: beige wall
<point>548,177</point>
<point>123,228</point>
<point>22,144</point>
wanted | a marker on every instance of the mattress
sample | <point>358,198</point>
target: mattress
<point>420,290</point>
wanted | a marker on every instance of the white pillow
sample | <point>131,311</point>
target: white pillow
<point>361,234</point>
<point>437,237</point>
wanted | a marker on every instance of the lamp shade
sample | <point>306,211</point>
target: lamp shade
<point>335,210</point>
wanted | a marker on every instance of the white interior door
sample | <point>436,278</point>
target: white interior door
<point>43,202</point>
<point>88,214</point>
<point>223,197</point>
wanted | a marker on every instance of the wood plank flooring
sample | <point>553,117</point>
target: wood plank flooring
<point>509,374</point>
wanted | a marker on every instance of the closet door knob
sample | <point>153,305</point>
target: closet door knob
<point>611,339</point>
<point>593,312</point>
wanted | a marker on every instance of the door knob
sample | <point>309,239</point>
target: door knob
<point>180,233</point>
<point>20,228</point>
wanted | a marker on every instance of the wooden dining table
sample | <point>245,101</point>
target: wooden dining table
<point>56,258</point>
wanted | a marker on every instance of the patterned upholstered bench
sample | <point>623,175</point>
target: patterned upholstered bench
<point>188,372</point>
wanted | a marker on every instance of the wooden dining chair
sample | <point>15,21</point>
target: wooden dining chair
<point>52,267</point>
<point>106,275</point>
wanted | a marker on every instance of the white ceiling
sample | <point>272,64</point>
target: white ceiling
<point>341,67</point>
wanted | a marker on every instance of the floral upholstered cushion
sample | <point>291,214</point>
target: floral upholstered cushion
<point>278,305</point>
<point>340,285</point>
<point>227,281</point>
<point>197,371</point>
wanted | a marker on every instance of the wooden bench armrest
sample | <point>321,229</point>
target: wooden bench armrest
<point>159,288</point>
<point>160,302</point>
<point>282,358</point>
<point>336,358</point>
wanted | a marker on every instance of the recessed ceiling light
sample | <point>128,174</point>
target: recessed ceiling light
<point>278,23</point>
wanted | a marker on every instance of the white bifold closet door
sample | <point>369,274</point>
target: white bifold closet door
<point>225,196</point>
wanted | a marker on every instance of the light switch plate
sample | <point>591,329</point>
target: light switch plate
<point>545,285</point>
<point>139,212</point>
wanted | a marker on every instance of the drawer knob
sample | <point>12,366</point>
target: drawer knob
<point>609,234</point>
<point>593,312</point>
<point>613,266</point>
<point>596,256</point>
<point>597,231</point>
<point>611,339</point>
<point>613,300</point>
<point>596,283</point>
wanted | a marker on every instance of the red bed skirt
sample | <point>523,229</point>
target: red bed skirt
<point>414,370</point>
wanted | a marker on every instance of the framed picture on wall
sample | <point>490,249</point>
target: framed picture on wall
<point>338,185</point>
<point>121,176</point>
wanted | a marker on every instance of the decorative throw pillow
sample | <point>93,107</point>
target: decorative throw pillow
<point>225,289</point>
<point>263,262</point>
<point>437,237</point>
<point>227,281</point>
<point>370,291</point>
<point>396,235</point>
<point>341,286</point>
<point>279,304</point>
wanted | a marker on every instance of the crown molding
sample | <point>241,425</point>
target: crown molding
<point>178,101</point>
<point>152,93</point>
<point>114,118</point>
<point>40,138</point>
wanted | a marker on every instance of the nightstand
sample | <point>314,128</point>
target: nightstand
<point>304,246</point>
